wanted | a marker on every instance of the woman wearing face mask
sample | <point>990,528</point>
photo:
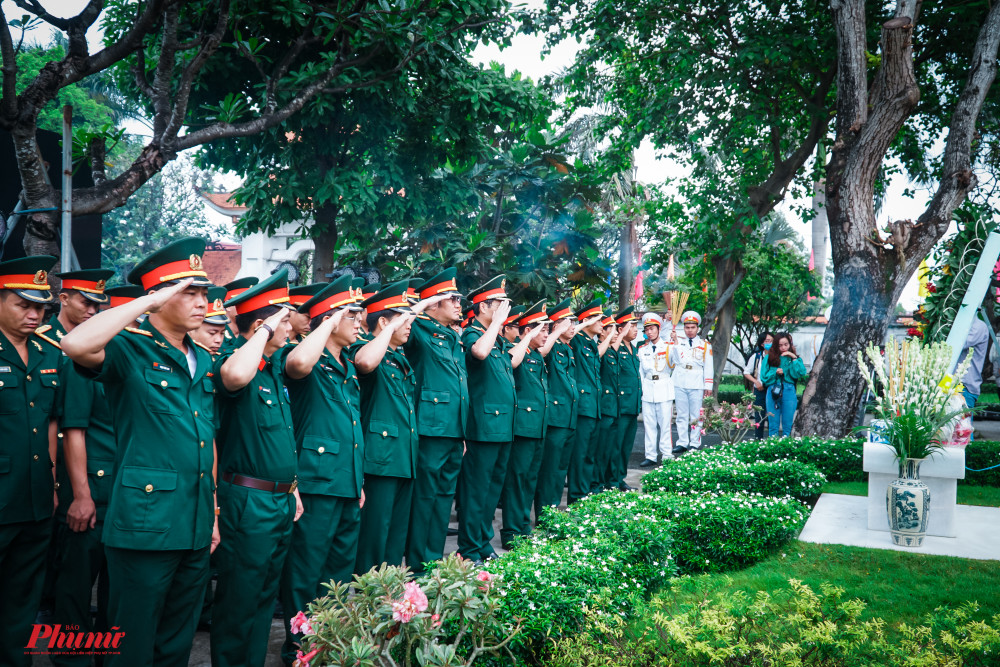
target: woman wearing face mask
<point>778,375</point>
<point>751,377</point>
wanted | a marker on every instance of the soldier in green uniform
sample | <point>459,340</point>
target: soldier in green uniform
<point>607,438</point>
<point>212,332</point>
<point>160,525</point>
<point>530,421</point>
<point>491,360</point>
<point>510,331</point>
<point>630,396</point>
<point>388,415</point>
<point>85,472</point>
<point>442,406</point>
<point>326,412</point>
<point>587,353</point>
<point>258,500</point>
<point>560,412</point>
<point>29,380</point>
<point>233,290</point>
<point>297,297</point>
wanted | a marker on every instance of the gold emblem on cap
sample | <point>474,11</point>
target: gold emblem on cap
<point>41,278</point>
<point>217,305</point>
<point>195,262</point>
<point>100,285</point>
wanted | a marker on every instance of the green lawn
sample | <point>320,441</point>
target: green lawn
<point>896,586</point>
<point>967,495</point>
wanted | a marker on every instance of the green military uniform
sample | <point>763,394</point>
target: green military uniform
<point>442,408</point>
<point>530,421</point>
<point>561,418</point>
<point>630,400</point>
<point>390,425</point>
<point>79,557</point>
<point>326,413</point>
<point>608,443</point>
<point>27,399</point>
<point>587,358</point>
<point>489,432</point>
<point>257,465</point>
<point>158,527</point>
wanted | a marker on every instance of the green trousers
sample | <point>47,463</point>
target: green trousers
<point>80,563</point>
<point>556,453</point>
<point>606,449</point>
<point>484,470</point>
<point>627,425</point>
<point>23,547</point>
<point>155,598</point>
<point>385,519</point>
<point>519,488</point>
<point>581,465</point>
<point>256,531</point>
<point>439,461</point>
<point>324,547</point>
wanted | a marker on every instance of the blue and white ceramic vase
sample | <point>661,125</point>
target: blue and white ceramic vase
<point>908,502</point>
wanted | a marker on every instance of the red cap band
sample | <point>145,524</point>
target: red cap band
<point>590,312</point>
<point>498,293</point>
<point>560,314</point>
<point>91,286</point>
<point>397,301</point>
<point>171,271</point>
<point>26,281</point>
<point>531,319</point>
<point>335,301</point>
<point>115,301</point>
<point>446,286</point>
<point>270,298</point>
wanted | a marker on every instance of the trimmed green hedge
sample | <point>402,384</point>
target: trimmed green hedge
<point>839,460</point>
<point>724,472</point>
<point>981,454</point>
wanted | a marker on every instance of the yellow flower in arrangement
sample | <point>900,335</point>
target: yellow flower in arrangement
<point>947,385</point>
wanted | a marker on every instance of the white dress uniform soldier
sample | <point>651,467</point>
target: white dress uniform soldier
<point>691,358</point>
<point>657,391</point>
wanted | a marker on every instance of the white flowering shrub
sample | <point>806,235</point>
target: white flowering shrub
<point>839,460</point>
<point>721,471</point>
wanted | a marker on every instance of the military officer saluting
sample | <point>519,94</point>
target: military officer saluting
<point>85,472</point>
<point>326,412</point>
<point>212,332</point>
<point>531,386</point>
<point>442,407</point>
<point>691,357</point>
<point>607,447</point>
<point>29,379</point>
<point>630,396</point>
<point>258,501</point>
<point>560,411</point>
<point>587,355</point>
<point>297,297</point>
<point>233,290</point>
<point>388,415</point>
<point>161,520</point>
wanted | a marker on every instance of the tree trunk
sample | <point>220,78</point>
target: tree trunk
<point>325,240</point>
<point>820,229</point>
<point>728,274</point>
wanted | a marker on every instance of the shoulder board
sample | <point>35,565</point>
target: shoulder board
<point>141,332</point>
<point>421,316</point>
<point>38,332</point>
<point>201,346</point>
<point>42,329</point>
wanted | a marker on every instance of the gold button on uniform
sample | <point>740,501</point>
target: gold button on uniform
<point>100,473</point>
<point>31,404</point>
<point>149,488</point>
<point>269,401</point>
<point>529,409</point>
<point>202,444</point>
<point>435,400</point>
<point>321,450</point>
<point>497,412</point>
<point>163,383</point>
<point>28,378</point>
<point>36,457</point>
<point>385,434</point>
<point>195,413</point>
<point>200,475</point>
<point>555,402</point>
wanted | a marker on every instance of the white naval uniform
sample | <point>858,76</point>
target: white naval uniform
<point>657,397</point>
<point>691,359</point>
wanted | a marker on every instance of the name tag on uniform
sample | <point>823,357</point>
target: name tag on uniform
<point>46,371</point>
<point>4,369</point>
<point>161,367</point>
<point>264,390</point>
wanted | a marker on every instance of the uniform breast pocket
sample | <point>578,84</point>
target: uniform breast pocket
<point>497,415</point>
<point>163,392</point>
<point>269,410</point>
<point>47,396</point>
<point>380,440</point>
<point>11,399</point>
<point>147,499</point>
<point>318,458</point>
<point>101,479</point>
<point>529,419</point>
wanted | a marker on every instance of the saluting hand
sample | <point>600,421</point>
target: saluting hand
<point>502,311</point>
<point>159,298</point>
<point>562,327</point>
<point>423,304</point>
<point>533,331</point>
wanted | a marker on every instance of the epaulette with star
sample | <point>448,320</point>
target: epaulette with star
<point>40,332</point>
<point>204,347</point>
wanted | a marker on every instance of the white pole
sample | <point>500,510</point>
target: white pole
<point>66,262</point>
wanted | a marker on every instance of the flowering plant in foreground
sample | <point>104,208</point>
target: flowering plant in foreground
<point>731,421</point>
<point>447,617</point>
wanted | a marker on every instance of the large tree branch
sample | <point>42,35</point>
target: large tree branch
<point>164,76</point>
<point>8,89</point>
<point>852,81</point>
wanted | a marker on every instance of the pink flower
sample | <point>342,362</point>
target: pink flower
<point>301,624</point>
<point>413,602</point>
<point>436,620</point>
<point>302,659</point>
<point>486,578</point>
<point>703,431</point>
